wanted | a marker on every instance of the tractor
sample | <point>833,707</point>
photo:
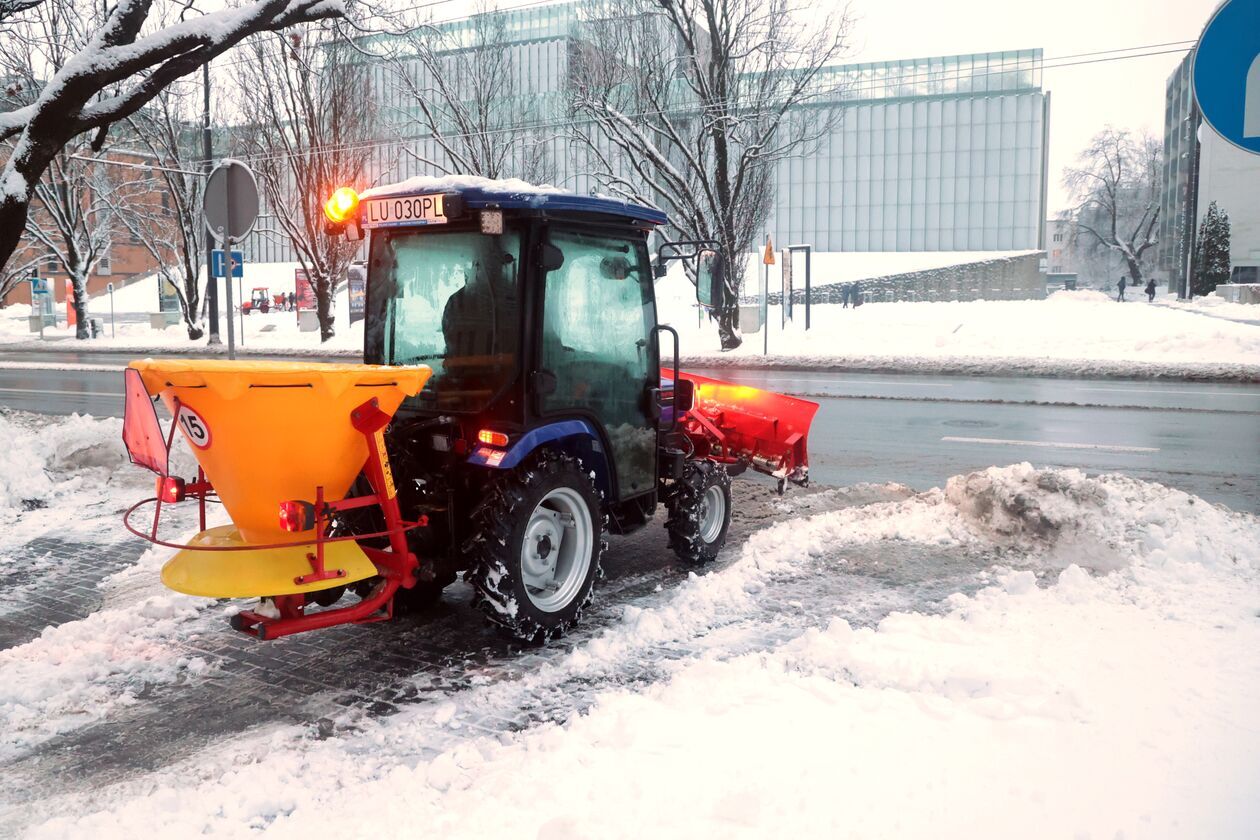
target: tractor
<point>259,301</point>
<point>519,403</point>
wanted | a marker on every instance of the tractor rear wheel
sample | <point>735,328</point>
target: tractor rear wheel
<point>699,512</point>
<point>536,546</point>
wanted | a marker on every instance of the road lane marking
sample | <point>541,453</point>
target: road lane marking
<point>1166,391</point>
<point>7,365</point>
<point>1105,447</point>
<point>114,394</point>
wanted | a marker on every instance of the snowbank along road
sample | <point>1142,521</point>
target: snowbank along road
<point>1025,652</point>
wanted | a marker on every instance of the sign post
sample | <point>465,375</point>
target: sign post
<point>39,286</point>
<point>109,287</point>
<point>767,260</point>
<point>786,313</point>
<point>230,210</point>
<point>809,253</point>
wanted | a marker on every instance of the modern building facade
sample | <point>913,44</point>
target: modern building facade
<point>933,154</point>
<point>1225,174</point>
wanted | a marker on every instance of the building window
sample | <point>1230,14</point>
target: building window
<point>1056,269</point>
<point>106,263</point>
<point>1245,274</point>
<point>51,264</point>
<point>1057,253</point>
<point>1058,237</point>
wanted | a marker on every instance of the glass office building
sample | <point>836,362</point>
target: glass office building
<point>931,154</point>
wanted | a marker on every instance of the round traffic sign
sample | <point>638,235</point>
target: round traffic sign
<point>231,198</point>
<point>1226,73</point>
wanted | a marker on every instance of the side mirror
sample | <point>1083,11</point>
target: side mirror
<point>684,395</point>
<point>710,279</point>
<point>552,257</point>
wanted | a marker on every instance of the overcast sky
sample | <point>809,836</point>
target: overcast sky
<point>1127,93</point>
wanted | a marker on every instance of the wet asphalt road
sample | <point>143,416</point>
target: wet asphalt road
<point>1203,438</point>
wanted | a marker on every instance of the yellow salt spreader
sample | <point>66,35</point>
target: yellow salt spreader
<point>279,444</point>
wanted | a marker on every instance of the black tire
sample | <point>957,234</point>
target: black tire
<point>692,535</point>
<point>501,523</point>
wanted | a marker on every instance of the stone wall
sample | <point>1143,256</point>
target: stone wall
<point>1006,278</point>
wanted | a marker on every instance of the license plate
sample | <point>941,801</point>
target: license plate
<point>394,212</point>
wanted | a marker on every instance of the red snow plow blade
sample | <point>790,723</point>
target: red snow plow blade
<point>741,424</point>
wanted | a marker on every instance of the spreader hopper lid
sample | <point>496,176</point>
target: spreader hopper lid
<point>269,432</point>
<point>230,379</point>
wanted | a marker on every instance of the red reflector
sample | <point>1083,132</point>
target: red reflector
<point>170,488</point>
<point>297,516</point>
<point>490,438</point>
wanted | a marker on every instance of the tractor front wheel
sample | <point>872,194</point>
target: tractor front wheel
<point>536,546</point>
<point>699,512</point>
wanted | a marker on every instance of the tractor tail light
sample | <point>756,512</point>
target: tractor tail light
<point>490,438</point>
<point>297,516</point>
<point>170,489</point>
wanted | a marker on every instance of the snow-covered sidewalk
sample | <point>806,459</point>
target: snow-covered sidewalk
<point>1081,334</point>
<point>1075,334</point>
<point>1099,680</point>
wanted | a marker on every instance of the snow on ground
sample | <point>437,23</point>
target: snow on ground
<point>1215,306</point>
<point>1069,334</point>
<point>1105,688</point>
<point>273,331</point>
<point>69,478</point>
<point>1082,333</point>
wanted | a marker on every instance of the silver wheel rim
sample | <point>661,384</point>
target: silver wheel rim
<point>557,550</point>
<point>712,513</point>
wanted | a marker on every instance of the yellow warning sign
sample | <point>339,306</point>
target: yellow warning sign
<point>768,258</point>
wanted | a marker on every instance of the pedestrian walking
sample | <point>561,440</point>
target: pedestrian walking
<point>1120,297</point>
<point>1150,290</point>
<point>846,291</point>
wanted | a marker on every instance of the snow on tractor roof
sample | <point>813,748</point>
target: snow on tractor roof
<point>515,194</point>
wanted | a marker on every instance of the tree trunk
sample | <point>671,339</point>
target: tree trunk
<point>1135,272</point>
<point>323,309</point>
<point>728,326</point>
<point>80,308</point>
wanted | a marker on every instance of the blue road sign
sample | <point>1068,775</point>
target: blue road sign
<point>39,286</point>
<point>1226,73</point>
<point>238,263</point>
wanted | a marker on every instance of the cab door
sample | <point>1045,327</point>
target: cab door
<point>598,314</point>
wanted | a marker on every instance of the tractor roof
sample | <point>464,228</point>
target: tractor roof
<point>514,194</point>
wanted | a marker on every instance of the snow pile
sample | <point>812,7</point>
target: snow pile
<point>1054,702</point>
<point>43,462</point>
<point>1069,333</point>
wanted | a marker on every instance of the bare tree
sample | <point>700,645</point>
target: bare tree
<point>75,218</point>
<point>309,115</point>
<point>105,64</point>
<point>693,103</point>
<point>463,92</point>
<point>1116,186</point>
<point>170,228</point>
<point>18,271</point>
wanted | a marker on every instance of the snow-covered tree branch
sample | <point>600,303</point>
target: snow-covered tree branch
<point>695,102</point>
<point>463,94</point>
<point>309,116</point>
<point>107,64</point>
<point>1116,185</point>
